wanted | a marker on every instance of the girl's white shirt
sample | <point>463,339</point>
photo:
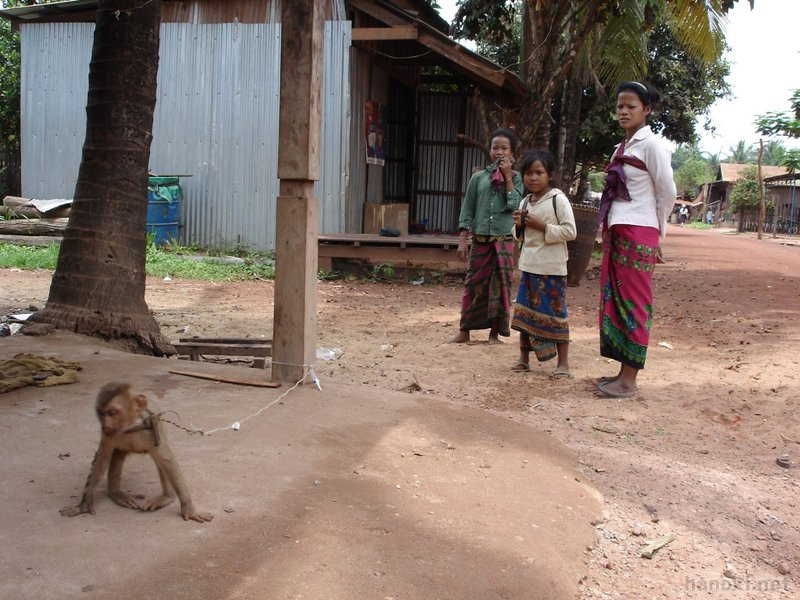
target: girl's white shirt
<point>653,191</point>
<point>545,252</point>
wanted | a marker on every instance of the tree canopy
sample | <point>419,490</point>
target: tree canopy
<point>785,124</point>
<point>571,55</point>
<point>746,193</point>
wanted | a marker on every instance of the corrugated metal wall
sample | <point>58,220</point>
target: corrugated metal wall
<point>331,189</point>
<point>444,166</point>
<point>55,83</point>
<point>216,119</point>
<point>356,185</point>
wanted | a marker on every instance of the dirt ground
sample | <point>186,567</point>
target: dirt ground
<point>498,513</point>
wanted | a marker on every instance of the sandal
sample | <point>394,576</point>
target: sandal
<point>602,392</point>
<point>521,367</point>
<point>561,375</point>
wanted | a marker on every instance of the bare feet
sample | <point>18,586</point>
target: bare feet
<point>493,337</point>
<point>461,338</point>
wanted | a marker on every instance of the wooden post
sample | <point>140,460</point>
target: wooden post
<point>295,319</point>
<point>762,208</point>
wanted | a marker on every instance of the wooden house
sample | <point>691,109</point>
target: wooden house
<point>716,194</point>
<point>396,93</point>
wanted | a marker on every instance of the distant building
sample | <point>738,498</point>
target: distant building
<point>716,194</point>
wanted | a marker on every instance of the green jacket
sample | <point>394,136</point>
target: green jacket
<point>487,211</point>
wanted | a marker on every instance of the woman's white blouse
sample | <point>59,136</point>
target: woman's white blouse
<point>653,191</point>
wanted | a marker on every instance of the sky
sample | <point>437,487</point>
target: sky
<point>764,59</point>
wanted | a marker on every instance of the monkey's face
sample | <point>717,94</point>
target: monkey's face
<point>115,416</point>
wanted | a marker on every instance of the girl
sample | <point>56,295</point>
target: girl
<point>492,195</point>
<point>637,199</point>
<point>545,224</point>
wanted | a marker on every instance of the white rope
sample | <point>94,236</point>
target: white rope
<point>236,425</point>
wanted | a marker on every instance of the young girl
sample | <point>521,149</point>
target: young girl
<point>545,223</point>
<point>492,195</point>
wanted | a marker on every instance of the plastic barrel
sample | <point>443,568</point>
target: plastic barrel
<point>581,248</point>
<point>163,210</point>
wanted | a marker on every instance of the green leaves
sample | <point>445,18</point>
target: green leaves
<point>746,192</point>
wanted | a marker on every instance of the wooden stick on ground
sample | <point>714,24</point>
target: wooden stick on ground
<point>251,382</point>
<point>650,550</point>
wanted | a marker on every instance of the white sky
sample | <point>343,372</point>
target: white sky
<point>765,69</point>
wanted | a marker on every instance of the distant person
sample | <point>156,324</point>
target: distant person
<point>637,199</point>
<point>545,223</point>
<point>487,212</point>
<point>683,215</point>
<point>710,217</point>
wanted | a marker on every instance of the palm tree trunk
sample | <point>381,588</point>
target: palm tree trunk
<point>570,122</point>
<point>99,283</point>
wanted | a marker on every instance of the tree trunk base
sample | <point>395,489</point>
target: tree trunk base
<point>133,332</point>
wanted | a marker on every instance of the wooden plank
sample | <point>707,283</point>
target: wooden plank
<point>465,62</point>
<point>223,349</point>
<point>221,379</point>
<point>379,12</point>
<point>199,340</point>
<point>365,239</point>
<point>364,34</point>
<point>390,253</point>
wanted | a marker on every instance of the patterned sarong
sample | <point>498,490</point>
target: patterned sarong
<point>486,303</point>
<point>626,293</point>
<point>540,314</point>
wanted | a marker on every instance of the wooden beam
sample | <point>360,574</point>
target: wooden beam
<point>460,60</point>
<point>463,61</point>
<point>384,33</point>
<point>380,13</point>
<point>295,316</point>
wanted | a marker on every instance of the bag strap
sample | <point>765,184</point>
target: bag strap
<point>555,210</point>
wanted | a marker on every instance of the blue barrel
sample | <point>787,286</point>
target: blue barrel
<point>163,210</point>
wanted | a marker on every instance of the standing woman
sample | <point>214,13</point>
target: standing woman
<point>638,197</point>
<point>493,195</point>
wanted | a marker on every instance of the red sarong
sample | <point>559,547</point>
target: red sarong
<point>626,292</point>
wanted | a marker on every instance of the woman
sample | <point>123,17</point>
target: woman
<point>492,196</point>
<point>638,197</point>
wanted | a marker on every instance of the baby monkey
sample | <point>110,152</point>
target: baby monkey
<point>128,426</point>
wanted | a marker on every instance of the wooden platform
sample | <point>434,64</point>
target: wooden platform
<point>405,248</point>
<point>194,347</point>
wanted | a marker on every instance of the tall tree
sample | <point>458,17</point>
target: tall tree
<point>99,283</point>
<point>784,124</point>
<point>746,192</point>
<point>555,34</point>
<point>741,153</point>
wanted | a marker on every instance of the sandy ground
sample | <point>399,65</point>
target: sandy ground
<point>692,455</point>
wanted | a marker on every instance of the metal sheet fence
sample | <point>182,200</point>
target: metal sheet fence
<point>216,120</point>
<point>444,165</point>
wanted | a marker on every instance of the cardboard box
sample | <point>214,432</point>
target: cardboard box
<point>379,216</point>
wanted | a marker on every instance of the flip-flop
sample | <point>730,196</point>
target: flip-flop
<point>598,381</point>
<point>521,367</point>
<point>561,375</point>
<point>603,392</point>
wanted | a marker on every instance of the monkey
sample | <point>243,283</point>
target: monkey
<point>127,425</point>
